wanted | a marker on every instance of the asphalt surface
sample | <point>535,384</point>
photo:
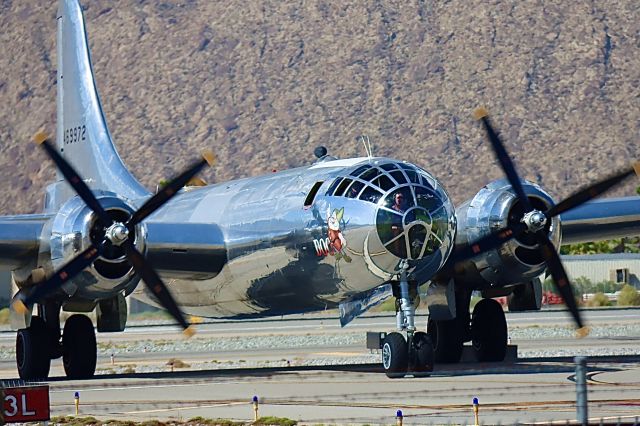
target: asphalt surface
<point>532,389</point>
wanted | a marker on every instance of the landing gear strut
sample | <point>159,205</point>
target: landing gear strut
<point>415,354</point>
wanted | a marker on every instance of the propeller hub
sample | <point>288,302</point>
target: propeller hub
<point>117,233</point>
<point>535,220</point>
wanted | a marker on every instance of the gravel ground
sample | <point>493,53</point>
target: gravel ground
<point>342,339</point>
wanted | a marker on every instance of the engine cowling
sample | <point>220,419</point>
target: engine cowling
<point>494,207</point>
<point>74,229</point>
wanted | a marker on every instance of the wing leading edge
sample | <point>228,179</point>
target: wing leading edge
<point>20,238</point>
<point>601,220</point>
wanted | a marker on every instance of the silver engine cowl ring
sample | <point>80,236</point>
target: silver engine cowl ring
<point>76,227</point>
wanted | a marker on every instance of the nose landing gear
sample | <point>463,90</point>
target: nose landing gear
<point>413,355</point>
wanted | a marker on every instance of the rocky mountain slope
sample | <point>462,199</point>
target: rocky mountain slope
<point>263,83</point>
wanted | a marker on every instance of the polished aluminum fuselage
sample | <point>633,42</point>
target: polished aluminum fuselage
<point>268,237</point>
<point>279,258</point>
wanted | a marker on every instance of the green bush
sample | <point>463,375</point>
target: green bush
<point>274,421</point>
<point>628,296</point>
<point>599,299</point>
<point>388,305</point>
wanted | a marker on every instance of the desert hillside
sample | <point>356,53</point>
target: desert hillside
<point>264,82</point>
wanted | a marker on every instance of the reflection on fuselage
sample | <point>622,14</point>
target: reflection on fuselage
<point>368,216</point>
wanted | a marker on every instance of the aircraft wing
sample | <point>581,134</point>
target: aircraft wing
<point>602,219</point>
<point>185,250</point>
<point>20,239</point>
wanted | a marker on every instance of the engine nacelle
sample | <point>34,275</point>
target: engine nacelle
<point>74,229</point>
<point>494,207</point>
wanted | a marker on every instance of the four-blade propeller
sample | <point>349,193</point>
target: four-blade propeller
<point>534,221</point>
<point>116,234</point>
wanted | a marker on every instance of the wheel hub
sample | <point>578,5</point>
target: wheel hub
<point>386,356</point>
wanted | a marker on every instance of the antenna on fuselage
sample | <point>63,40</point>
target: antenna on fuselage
<point>367,145</point>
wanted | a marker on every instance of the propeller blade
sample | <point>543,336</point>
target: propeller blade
<point>503,158</point>
<point>591,192</point>
<point>157,287</point>
<point>168,191</point>
<point>560,279</point>
<point>488,242</point>
<point>64,274</point>
<point>73,178</point>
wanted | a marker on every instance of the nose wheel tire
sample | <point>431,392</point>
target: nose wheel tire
<point>395,353</point>
<point>32,353</point>
<point>489,331</point>
<point>423,354</point>
<point>79,347</point>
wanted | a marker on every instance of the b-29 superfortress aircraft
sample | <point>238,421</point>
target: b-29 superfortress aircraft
<point>337,233</point>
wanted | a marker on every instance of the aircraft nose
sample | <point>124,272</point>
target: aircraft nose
<point>412,222</point>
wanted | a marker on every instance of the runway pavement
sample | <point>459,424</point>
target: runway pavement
<point>529,390</point>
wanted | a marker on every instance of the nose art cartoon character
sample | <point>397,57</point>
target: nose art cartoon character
<point>337,242</point>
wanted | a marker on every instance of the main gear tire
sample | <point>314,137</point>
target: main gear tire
<point>447,340</point>
<point>79,349</point>
<point>32,353</point>
<point>489,331</point>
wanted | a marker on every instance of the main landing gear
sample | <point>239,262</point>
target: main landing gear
<point>413,355</point>
<point>41,342</point>
<point>486,328</point>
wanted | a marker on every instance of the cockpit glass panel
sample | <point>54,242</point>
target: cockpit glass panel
<point>417,236</point>
<point>427,199</point>
<point>406,166</point>
<point>390,232</point>
<point>333,186</point>
<point>371,195</point>
<point>398,247</point>
<point>369,174</point>
<point>383,182</point>
<point>354,189</point>
<point>399,177</point>
<point>360,169</point>
<point>342,187</point>
<point>413,176</point>
<point>428,181</point>
<point>400,200</point>
<point>388,166</point>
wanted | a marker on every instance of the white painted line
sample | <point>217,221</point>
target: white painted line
<point>161,410</point>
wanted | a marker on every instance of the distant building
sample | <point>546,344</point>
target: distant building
<point>621,268</point>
